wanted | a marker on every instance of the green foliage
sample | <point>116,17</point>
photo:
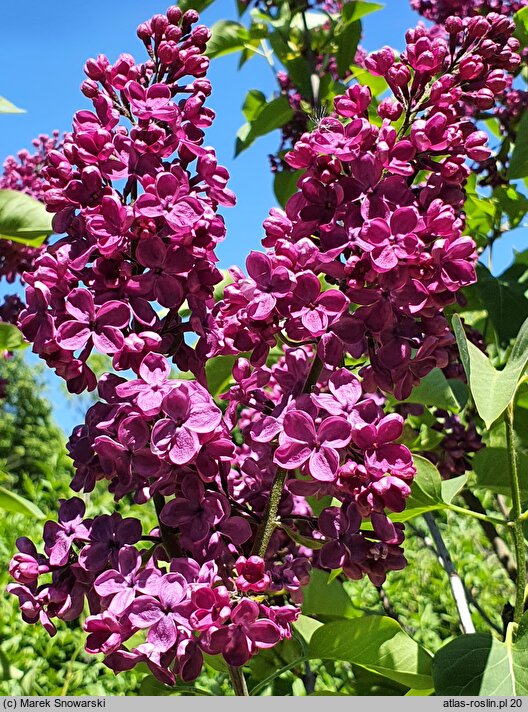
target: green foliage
<point>492,390</point>
<point>435,390</point>
<point>504,299</point>
<point>285,185</point>
<point>518,167</point>
<point>23,219</point>
<point>377,643</point>
<point>479,664</point>
<point>227,37</point>
<point>13,502</point>
<point>266,118</point>
<point>428,492</point>
<point>326,598</point>
<point>11,338</point>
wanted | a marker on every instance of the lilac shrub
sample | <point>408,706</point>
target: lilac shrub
<point>343,306</point>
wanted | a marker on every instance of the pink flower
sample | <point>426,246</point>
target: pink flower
<point>299,442</point>
<point>101,325</point>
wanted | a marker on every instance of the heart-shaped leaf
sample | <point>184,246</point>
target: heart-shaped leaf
<point>492,390</point>
<point>479,664</point>
<point>377,643</point>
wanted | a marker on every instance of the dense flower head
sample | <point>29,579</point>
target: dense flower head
<point>23,173</point>
<point>343,306</point>
<point>138,204</point>
<point>440,10</point>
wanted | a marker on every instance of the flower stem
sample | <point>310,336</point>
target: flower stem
<point>269,518</point>
<point>477,515</point>
<point>518,534</point>
<point>238,681</point>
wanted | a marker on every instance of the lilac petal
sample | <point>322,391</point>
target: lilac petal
<point>151,252</point>
<point>144,612</point>
<point>203,418</point>
<point>259,267</point>
<point>122,600</point>
<point>262,307</point>
<point>299,426</point>
<point>336,432</point>
<point>176,404</point>
<point>264,633</point>
<point>149,401</point>
<point>245,613</point>
<point>80,305</point>
<point>184,446</point>
<point>161,436</point>
<point>113,313</point>
<point>93,557</point>
<point>108,340</point>
<point>390,428</point>
<point>163,634</point>
<point>333,302</point>
<point>332,555</point>
<point>292,455</point>
<point>133,432</point>
<point>73,335</point>
<point>172,590</point>
<point>109,582</point>
<point>324,464</point>
<point>237,529</point>
<point>315,321</point>
<point>384,259</point>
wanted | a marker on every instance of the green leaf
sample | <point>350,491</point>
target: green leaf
<point>219,372</point>
<point>300,539</point>
<point>521,26</point>
<point>504,299</point>
<point>347,41</point>
<point>227,36</point>
<point>253,104</point>
<point>23,219</point>
<point>271,116</point>
<point>11,338</point>
<point>12,502</point>
<point>513,203</point>
<point>518,167</point>
<point>377,643</point>
<point>216,662</point>
<point>6,107</point>
<point>492,390</point>
<point>428,491</point>
<point>479,664</point>
<point>285,185</point>
<point>451,487</point>
<point>198,5</point>
<point>151,687</point>
<point>353,11</point>
<point>434,390</point>
<point>306,627</point>
<point>326,600</point>
<point>492,468</point>
<point>377,85</point>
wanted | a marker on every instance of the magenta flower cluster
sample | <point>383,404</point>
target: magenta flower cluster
<point>22,173</point>
<point>343,306</point>
<point>440,10</point>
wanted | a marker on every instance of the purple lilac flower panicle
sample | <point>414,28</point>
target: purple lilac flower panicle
<point>343,306</point>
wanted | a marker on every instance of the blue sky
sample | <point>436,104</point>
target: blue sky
<point>43,47</point>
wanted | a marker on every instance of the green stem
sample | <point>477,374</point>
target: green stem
<point>518,534</point>
<point>478,515</point>
<point>238,681</point>
<point>269,518</point>
<point>264,683</point>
